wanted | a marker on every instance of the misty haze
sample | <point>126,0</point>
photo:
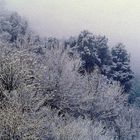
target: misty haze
<point>69,70</point>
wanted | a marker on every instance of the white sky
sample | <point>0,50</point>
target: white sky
<point>119,20</point>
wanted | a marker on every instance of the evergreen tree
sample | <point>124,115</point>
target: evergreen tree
<point>120,68</point>
<point>93,51</point>
<point>12,27</point>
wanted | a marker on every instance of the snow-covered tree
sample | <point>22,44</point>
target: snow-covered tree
<point>12,27</point>
<point>120,68</point>
<point>50,89</point>
<point>93,50</point>
<point>43,95</point>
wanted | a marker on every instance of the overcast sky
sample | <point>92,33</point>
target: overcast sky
<point>119,20</point>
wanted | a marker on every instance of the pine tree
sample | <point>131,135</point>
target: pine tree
<point>120,68</point>
<point>93,51</point>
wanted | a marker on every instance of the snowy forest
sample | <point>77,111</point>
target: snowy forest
<point>78,88</point>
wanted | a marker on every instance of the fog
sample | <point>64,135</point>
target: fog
<point>119,20</point>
